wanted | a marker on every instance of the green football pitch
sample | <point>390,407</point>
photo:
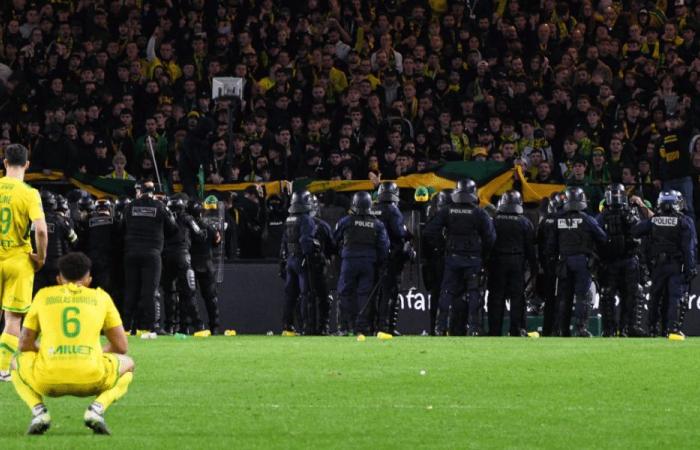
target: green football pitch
<point>411,392</point>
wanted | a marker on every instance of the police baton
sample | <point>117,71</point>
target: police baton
<point>373,291</point>
<point>149,139</point>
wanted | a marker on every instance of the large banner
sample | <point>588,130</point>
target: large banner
<point>493,178</point>
<point>252,296</point>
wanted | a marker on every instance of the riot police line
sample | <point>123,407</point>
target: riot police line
<point>154,250</point>
<point>626,253</point>
<point>144,252</point>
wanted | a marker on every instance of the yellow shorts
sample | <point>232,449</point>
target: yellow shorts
<point>16,283</point>
<point>25,370</point>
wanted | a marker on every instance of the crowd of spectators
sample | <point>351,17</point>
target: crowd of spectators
<point>578,92</point>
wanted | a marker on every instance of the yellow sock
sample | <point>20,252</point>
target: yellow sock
<point>8,347</point>
<point>118,391</point>
<point>27,394</point>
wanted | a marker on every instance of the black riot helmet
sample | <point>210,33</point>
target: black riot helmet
<point>120,204</point>
<point>361,203</point>
<point>176,205</point>
<point>615,196</point>
<point>61,204</point>
<point>668,202</point>
<point>575,199</point>
<point>556,202</point>
<point>465,193</point>
<point>48,201</point>
<point>444,198</point>
<point>681,205</point>
<point>511,202</point>
<point>388,192</point>
<point>103,206</point>
<point>315,206</point>
<point>194,208</point>
<point>85,203</point>
<point>301,202</point>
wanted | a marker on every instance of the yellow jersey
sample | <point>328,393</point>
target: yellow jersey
<point>20,205</point>
<point>69,319</point>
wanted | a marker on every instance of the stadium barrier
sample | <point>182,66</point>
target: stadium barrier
<point>252,295</point>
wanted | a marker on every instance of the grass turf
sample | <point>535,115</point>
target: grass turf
<point>273,392</point>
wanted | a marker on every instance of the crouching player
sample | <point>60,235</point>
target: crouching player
<point>69,359</point>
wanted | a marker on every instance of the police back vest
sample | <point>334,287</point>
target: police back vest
<point>546,232</point>
<point>57,245</point>
<point>383,212</point>
<point>181,241</point>
<point>574,237</point>
<point>323,236</point>
<point>144,219</point>
<point>620,242</point>
<point>462,235</point>
<point>292,230</point>
<point>361,233</point>
<point>510,239</point>
<point>100,236</point>
<point>666,235</point>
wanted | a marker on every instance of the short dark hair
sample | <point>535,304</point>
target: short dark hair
<point>74,266</point>
<point>16,155</point>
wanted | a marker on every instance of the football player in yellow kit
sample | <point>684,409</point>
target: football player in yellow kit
<point>20,211</point>
<point>70,360</point>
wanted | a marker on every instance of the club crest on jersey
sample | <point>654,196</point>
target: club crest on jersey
<point>569,224</point>
<point>664,221</point>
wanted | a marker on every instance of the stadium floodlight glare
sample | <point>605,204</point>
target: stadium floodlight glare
<point>227,87</point>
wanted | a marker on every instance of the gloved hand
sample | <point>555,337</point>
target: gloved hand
<point>409,251</point>
<point>283,269</point>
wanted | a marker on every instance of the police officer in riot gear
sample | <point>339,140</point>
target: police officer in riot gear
<point>61,238</point>
<point>178,280</point>
<point>318,310</point>
<point>548,262</point>
<point>101,243</point>
<point>469,236</point>
<point>364,245</point>
<point>620,265</point>
<point>146,224</point>
<point>388,212</point>
<point>575,240</point>
<point>202,251</point>
<point>514,246</point>
<point>434,251</point>
<point>296,249</point>
<point>673,251</point>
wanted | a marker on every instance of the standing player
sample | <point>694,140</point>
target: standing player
<point>20,210</point>
<point>70,360</point>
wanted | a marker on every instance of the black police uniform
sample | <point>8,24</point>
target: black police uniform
<point>146,223</point>
<point>296,248</point>
<point>178,280</point>
<point>392,218</point>
<point>548,262</point>
<point>469,236</point>
<point>576,238</point>
<point>620,271</point>
<point>61,238</point>
<point>514,246</point>
<point>364,245</point>
<point>433,266</point>
<point>673,245</point>
<point>102,241</point>
<point>318,313</point>
<point>202,251</point>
